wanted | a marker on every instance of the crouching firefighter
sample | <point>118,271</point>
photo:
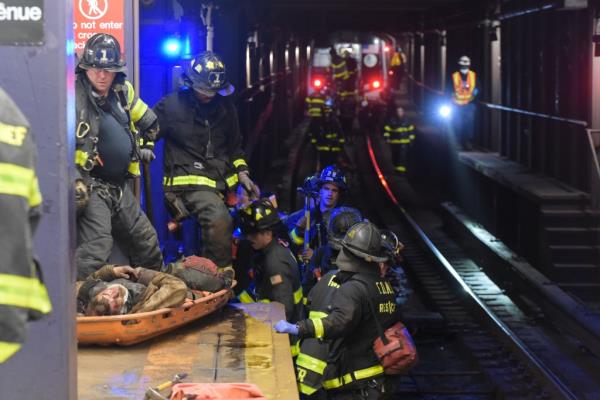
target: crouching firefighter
<point>111,123</point>
<point>23,295</point>
<point>203,155</point>
<point>277,277</point>
<point>359,373</point>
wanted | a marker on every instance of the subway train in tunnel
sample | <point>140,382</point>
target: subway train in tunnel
<point>266,199</point>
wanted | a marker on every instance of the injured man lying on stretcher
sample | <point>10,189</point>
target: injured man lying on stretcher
<point>117,290</point>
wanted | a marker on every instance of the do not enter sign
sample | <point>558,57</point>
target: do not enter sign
<point>98,16</point>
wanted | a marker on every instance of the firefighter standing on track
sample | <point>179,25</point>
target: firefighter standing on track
<point>400,134</point>
<point>332,186</point>
<point>112,122</point>
<point>203,157</point>
<point>359,375</point>
<point>23,296</point>
<point>323,259</point>
<point>324,129</point>
<point>466,88</point>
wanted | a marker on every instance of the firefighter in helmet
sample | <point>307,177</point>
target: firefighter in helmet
<point>276,273</point>
<point>323,259</point>
<point>203,152</point>
<point>332,186</point>
<point>359,373</point>
<point>465,89</point>
<point>23,296</point>
<point>112,136</point>
<point>399,132</point>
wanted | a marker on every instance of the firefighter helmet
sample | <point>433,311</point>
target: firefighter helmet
<point>259,216</point>
<point>332,174</point>
<point>464,61</point>
<point>361,249</point>
<point>206,72</point>
<point>102,51</point>
<point>341,219</point>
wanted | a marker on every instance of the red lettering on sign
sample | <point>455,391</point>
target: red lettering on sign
<point>98,16</point>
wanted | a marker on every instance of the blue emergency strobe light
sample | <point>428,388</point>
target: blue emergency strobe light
<point>445,111</point>
<point>171,47</point>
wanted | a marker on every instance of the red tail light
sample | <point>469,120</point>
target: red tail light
<point>317,83</point>
<point>386,48</point>
<point>376,84</point>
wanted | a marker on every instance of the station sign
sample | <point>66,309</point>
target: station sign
<point>98,16</point>
<point>22,22</point>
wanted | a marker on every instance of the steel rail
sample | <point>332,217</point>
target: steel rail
<point>557,384</point>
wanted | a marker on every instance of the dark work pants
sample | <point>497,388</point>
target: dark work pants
<point>400,156</point>
<point>108,218</point>
<point>217,227</point>
<point>464,124</point>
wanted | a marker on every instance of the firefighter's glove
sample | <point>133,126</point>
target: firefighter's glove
<point>285,327</point>
<point>147,155</point>
<point>246,182</point>
<point>306,255</point>
<point>82,197</point>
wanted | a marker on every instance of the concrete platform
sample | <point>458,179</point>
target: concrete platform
<point>538,188</point>
<point>237,344</point>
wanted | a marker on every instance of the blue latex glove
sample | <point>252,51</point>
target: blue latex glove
<point>285,327</point>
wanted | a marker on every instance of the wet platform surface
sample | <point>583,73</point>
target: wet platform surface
<point>236,344</point>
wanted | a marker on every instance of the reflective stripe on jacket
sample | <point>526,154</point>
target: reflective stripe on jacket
<point>22,295</point>
<point>202,142</point>
<point>350,318</point>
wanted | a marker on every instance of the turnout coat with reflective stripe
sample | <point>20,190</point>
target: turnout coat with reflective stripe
<point>351,320</point>
<point>140,118</point>
<point>278,279</point>
<point>202,142</point>
<point>22,295</point>
<point>315,363</point>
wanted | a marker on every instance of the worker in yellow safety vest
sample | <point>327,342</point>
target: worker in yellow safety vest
<point>23,296</point>
<point>465,89</point>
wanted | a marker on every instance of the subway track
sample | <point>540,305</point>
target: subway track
<point>474,341</point>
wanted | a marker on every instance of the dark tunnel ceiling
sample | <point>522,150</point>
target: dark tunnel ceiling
<point>375,15</point>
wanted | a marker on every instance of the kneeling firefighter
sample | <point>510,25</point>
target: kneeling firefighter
<point>112,124</point>
<point>203,157</point>
<point>277,277</point>
<point>359,374</point>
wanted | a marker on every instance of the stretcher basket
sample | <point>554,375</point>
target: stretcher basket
<point>125,330</point>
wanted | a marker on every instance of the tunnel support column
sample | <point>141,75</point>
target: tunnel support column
<point>40,78</point>
<point>594,131</point>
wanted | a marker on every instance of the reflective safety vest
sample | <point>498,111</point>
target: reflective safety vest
<point>464,89</point>
<point>21,291</point>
